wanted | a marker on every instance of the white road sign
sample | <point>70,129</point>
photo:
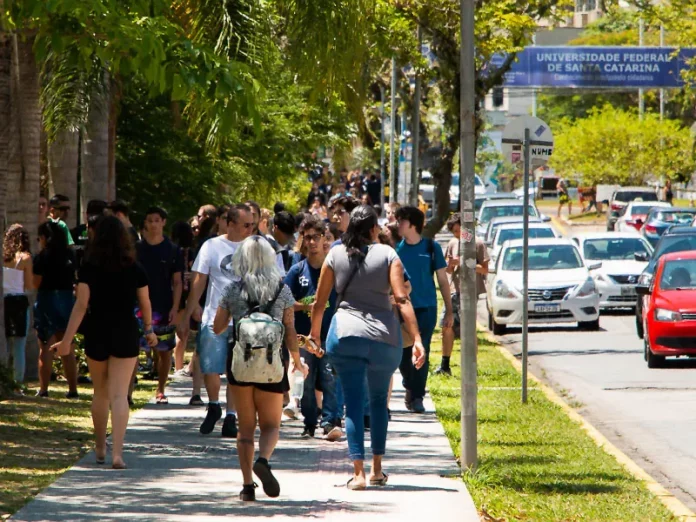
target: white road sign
<point>541,137</point>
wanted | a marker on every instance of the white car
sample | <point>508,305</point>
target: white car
<point>633,215</point>
<point>504,208</point>
<point>512,231</point>
<point>480,189</point>
<point>619,272</point>
<point>561,289</point>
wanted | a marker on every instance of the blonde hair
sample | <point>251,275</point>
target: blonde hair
<point>254,263</point>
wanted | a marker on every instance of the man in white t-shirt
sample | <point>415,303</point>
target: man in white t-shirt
<point>213,268</point>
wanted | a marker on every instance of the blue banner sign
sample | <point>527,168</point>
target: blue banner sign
<point>598,67</point>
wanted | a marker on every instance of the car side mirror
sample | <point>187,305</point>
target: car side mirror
<point>642,289</point>
<point>641,256</point>
<point>594,266</point>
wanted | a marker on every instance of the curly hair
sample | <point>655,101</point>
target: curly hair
<point>16,240</point>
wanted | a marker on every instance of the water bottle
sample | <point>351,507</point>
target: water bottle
<point>297,384</point>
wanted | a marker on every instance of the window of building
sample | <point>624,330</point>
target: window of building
<point>498,97</point>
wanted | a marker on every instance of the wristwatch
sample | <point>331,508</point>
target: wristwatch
<point>149,331</point>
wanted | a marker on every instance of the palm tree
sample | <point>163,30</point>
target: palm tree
<point>62,167</point>
<point>5,67</point>
<point>95,150</point>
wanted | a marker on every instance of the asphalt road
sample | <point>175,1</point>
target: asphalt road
<point>649,414</point>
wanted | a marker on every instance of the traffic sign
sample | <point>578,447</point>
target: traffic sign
<point>540,145</point>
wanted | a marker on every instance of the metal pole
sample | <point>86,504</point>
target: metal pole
<point>662,91</point>
<point>413,196</point>
<point>392,151</point>
<point>525,267</point>
<point>382,158</point>
<point>641,101</point>
<point>534,91</point>
<point>467,246</point>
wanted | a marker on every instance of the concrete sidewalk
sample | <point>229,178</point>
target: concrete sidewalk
<point>177,475</point>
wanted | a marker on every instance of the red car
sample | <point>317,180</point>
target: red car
<point>669,311</point>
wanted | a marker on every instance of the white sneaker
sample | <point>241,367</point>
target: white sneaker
<point>334,434</point>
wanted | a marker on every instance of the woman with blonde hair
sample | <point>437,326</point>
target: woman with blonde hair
<point>17,282</point>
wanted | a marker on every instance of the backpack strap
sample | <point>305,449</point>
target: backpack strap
<point>272,302</point>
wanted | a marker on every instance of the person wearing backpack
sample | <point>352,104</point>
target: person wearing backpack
<point>261,306</point>
<point>422,259</point>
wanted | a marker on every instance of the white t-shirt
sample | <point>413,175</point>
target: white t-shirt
<point>215,260</point>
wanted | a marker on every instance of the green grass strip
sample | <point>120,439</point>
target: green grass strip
<point>535,463</point>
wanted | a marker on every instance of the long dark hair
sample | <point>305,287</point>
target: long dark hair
<point>182,234</point>
<point>363,220</point>
<point>16,240</point>
<point>112,247</point>
<point>56,240</point>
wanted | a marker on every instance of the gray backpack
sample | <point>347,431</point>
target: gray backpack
<point>257,355</point>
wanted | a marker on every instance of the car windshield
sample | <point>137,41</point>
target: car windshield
<point>669,244</point>
<point>543,257</point>
<point>618,249</point>
<point>679,274</point>
<point>681,218</point>
<point>516,233</point>
<point>629,195</point>
<point>491,212</point>
<point>640,210</point>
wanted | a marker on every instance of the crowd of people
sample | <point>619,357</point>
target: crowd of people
<point>336,293</point>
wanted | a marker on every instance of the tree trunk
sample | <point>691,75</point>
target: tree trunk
<point>24,164</point>
<point>95,152</point>
<point>113,123</point>
<point>62,169</point>
<point>5,79</point>
<point>442,176</point>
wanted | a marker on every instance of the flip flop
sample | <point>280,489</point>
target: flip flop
<point>381,481</point>
<point>355,486</point>
<point>162,399</point>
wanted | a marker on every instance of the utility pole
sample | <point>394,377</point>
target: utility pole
<point>641,100</point>
<point>525,265</point>
<point>467,243</point>
<point>413,196</point>
<point>392,151</point>
<point>382,158</point>
<point>662,91</point>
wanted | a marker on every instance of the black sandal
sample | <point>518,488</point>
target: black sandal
<point>381,481</point>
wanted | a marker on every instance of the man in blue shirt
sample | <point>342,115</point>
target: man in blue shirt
<point>303,280</point>
<point>422,259</point>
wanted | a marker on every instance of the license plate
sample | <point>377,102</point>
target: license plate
<point>547,308</point>
<point>628,291</point>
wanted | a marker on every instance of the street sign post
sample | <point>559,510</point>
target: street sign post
<point>530,139</point>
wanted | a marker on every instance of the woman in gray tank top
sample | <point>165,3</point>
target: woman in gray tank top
<point>365,335</point>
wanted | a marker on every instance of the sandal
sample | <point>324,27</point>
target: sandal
<point>379,481</point>
<point>161,399</point>
<point>353,485</point>
<point>119,465</point>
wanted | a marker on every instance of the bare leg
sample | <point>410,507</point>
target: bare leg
<point>45,364</point>
<point>391,385</point>
<point>131,386</point>
<point>180,347</point>
<point>69,365</point>
<point>270,408</point>
<point>246,419</point>
<point>120,371</point>
<point>197,375</point>
<point>376,466</point>
<point>230,396</point>
<point>164,363</point>
<point>570,208</point>
<point>212,386</point>
<point>100,403</point>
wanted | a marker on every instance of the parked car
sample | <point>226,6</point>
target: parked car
<point>617,276</point>
<point>493,196</point>
<point>669,313</point>
<point>426,188</point>
<point>493,209</point>
<point>560,287</point>
<point>511,231</point>
<point>633,216</point>
<point>494,223</point>
<point>519,192</point>
<point>481,189</point>
<point>660,219</point>
<point>622,197</point>
<point>675,239</point>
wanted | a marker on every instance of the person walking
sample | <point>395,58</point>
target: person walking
<point>17,283</point>
<point>110,282</point>
<point>256,285</point>
<point>422,259</point>
<point>364,339</point>
<point>54,269</point>
<point>563,196</point>
<point>163,264</point>
<point>303,280</point>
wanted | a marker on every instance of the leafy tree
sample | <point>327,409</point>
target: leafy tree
<point>617,147</point>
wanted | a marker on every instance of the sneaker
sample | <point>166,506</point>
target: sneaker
<point>182,373</point>
<point>72,395</point>
<point>407,400</point>
<point>196,401</point>
<point>42,393</point>
<point>366,420</point>
<point>248,493</point>
<point>262,469</point>
<point>308,433</point>
<point>417,406</point>
<point>333,433</point>
<point>213,415</point>
<point>443,371</point>
<point>229,426</point>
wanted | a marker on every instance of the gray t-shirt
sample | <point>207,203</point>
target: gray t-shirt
<point>365,310</point>
<point>232,302</point>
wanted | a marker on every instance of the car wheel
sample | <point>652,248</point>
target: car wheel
<point>497,329</point>
<point>654,361</point>
<point>590,326</point>
<point>639,325</point>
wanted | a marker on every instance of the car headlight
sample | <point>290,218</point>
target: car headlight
<point>587,288</point>
<point>667,315</point>
<point>645,279</point>
<point>503,290</point>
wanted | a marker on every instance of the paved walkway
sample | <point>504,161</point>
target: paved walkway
<point>177,475</point>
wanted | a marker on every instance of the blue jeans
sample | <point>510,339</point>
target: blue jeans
<point>415,380</point>
<point>17,347</point>
<point>354,358</point>
<point>319,372</point>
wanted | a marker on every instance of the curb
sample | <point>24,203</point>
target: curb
<point>678,509</point>
<point>562,224</point>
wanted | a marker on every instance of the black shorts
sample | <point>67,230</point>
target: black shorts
<point>121,343</point>
<point>275,387</point>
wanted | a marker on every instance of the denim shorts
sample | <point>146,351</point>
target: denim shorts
<point>212,349</point>
<point>52,312</point>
